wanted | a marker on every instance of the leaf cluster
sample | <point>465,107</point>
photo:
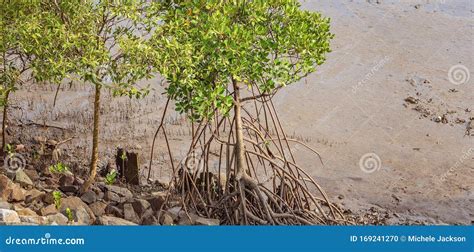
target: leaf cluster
<point>203,45</point>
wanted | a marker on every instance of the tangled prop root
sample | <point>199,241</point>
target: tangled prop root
<point>273,190</point>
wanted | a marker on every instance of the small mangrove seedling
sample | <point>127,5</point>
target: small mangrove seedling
<point>9,150</point>
<point>123,156</point>
<point>69,215</point>
<point>57,199</point>
<point>58,168</point>
<point>111,177</point>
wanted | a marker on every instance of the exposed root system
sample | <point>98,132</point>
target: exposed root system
<point>273,189</point>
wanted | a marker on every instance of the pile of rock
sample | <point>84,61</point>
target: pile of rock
<point>17,204</point>
<point>27,199</point>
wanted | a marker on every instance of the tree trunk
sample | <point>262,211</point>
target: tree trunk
<point>239,141</point>
<point>4,123</point>
<point>95,142</point>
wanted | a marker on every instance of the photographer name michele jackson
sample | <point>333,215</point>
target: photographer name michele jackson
<point>430,238</point>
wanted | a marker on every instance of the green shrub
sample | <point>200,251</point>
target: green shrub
<point>58,168</point>
<point>69,215</point>
<point>111,177</point>
<point>57,199</point>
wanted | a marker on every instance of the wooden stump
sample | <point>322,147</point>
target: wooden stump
<point>127,164</point>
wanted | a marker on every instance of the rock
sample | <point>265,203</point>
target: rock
<point>36,206</point>
<point>101,185</point>
<point>58,219</point>
<point>10,191</point>
<point>23,179</point>
<point>444,119</point>
<point>100,195</point>
<point>113,210</point>
<point>25,211</point>
<point>161,194</point>
<point>48,198</point>
<point>16,193</point>
<point>166,219</point>
<point>148,218</point>
<point>66,179</point>
<point>89,197</point>
<point>411,100</point>
<point>78,182</point>
<point>32,174</point>
<point>98,208</point>
<point>78,207</point>
<point>207,221</point>
<point>174,212</point>
<point>140,206</point>
<point>72,203</point>
<point>69,188</point>
<point>9,217</point>
<point>121,191</point>
<point>5,205</point>
<point>81,216</point>
<point>114,221</point>
<point>35,220</point>
<point>52,182</point>
<point>185,222</point>
<point>156,201</point>
<point>5,187</point>
<point>129,213</point>
<point>50,209</point>
<point>111,196</point>
<point>98,192</point>
<point>188,219</point>
<point>33,195</point>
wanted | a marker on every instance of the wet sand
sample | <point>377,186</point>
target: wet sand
<point>383,53</point>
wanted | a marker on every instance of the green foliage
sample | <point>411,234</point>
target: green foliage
<point>58,168</point>
<point>203,46</point>
<point>123,156</point>
<point>57,199</point>
<point>9,149</point>
<point>94,41</point>
<point>12,62</point>
<point>111,177</point>
<point>69,215</point>
<point>88,40</point>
